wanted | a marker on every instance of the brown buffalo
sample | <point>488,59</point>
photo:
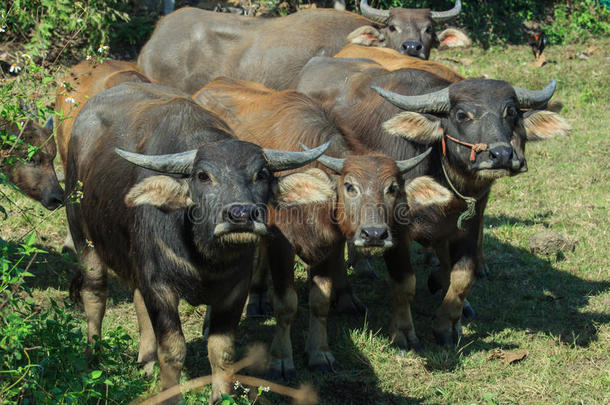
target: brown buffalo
<point>364,190</point>
<point>478,129</point>
<point>391,60</point>
<point>33,173</point>
<point>190,47</point>
<point>175,205</point>
<point>83,81</point>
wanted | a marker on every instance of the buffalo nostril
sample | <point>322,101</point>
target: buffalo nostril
<point>418,47</point>
<point>364,234</point>
<point>384,234</point>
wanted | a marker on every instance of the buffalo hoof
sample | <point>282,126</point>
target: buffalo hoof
<point>433,285</point>
<point>258,306</point>
<point>468,312</point>
<point>444,338</point>
<point>349,304</point>
<point>323,362</point>
<point>483,271</point>
<point>281,370</point>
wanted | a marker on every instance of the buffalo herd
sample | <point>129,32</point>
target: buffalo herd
<point>238,143</point>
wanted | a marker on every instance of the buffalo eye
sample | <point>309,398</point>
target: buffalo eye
<point>511,111</point>
<point>392,28</point>
<point>262,175</point>
<point>350,188</point>
<point>429,30</point>
<point>203,177</point>
<point>392,189</point>
<point>461,116</point>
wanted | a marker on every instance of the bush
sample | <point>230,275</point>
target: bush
<point>583,20</point>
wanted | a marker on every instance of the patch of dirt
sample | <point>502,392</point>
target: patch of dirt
<point>549,242</point>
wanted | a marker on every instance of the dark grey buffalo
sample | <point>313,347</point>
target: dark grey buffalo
<point>33,173</point>
<point>175,205</point>
<point>478,129</point>
<point>190,47</point>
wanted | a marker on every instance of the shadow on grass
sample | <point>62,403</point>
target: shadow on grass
<point>500,220</point>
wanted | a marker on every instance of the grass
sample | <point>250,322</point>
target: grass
<point>555,308</point>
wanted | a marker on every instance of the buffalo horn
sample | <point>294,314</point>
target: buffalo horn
<point>373,13</point>
<point>406,165</point>
<point>282,160</point>
<point>436,102</point>
<point>534,98</point>
<point>447,15</point>
<point>174,163</point>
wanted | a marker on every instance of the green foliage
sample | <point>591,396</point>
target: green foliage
<point>45,24</point>
<point>583,20</point>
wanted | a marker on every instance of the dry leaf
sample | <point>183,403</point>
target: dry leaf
<point>509,356</point>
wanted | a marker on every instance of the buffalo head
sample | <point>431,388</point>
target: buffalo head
<point>482,124</point>
<point>34,173</point>
<point>370,191</point>
<point>223,186</point>
<point>409,31</point>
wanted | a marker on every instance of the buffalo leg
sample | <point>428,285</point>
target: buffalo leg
<point>147,351</point>
<point>285,303</point>
<point>345,300</point>
<point>402,285</point>
<point>94,291</point>
<point>162,306</point>
<point>258,303</point>
<point>447,328</point>
<point>318,350</point>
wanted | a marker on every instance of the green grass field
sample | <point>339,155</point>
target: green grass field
<point>556,308</point>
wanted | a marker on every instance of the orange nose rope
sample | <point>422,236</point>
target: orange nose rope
<point>474,147</point>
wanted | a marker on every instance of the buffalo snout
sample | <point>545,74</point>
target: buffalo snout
<point>241,214</point>
<point>411,48</point>
<point>373,236</point>
<point>501,155</point>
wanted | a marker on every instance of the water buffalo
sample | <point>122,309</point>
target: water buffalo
<point>34,174</point>
<point>190,47</point>
<point>478,129</point>
<point>83,81</point>
<point>364,191</point>
<point>175,205</point>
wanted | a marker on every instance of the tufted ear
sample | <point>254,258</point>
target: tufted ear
<point>312,186</point>
<point>160,191</point>
<point>542,124</point>
<point>453,38</point>
<point>366,36</point>
<point>424,191</point>
<point>424,129</point>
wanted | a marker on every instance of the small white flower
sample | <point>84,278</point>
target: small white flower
<point>26,56</point>
<point>80,195</point>
<point>103,48</point>
<point>14,68</point>
<point>70,100</point>
<point>246,390</point>
<point>267,389</point>
<point>2,28</point>
<point>89,243</point>
<point>88,57</point>
<point>237,384</point>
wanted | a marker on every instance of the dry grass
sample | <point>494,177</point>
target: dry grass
<point>556,308</point>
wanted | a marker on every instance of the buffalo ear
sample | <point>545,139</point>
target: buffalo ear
<point>160,191</point>
<point>453,38</point>
<point>312,186</point>
<point>424,129</point>
<point>125,76</point>
<point>542,124</point>
<point>424,191</point>
<point>366,36</point>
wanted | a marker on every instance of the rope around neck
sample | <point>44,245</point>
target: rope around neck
<point>470,201</point>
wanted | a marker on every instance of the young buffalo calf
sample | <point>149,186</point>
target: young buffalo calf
<point>178,216</point>
<point>35,174</point>
<point>362,192</point>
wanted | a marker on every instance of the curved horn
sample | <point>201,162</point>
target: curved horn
<point>334,164</point>
<point>534,98</point>
<point>373,13</point>
<point>436,102</point>
<point>281,160</point>
<point>174,163</point>
<point>406,165</point>
<point>447,15</point>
